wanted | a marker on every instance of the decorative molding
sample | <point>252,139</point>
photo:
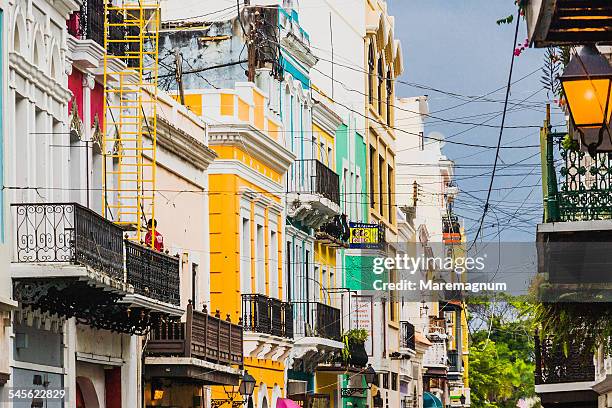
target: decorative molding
<point>85,54</point>
<point>33,74</point>
<point>325,117</point>
<point>183,145</point>
<point>260,146</point>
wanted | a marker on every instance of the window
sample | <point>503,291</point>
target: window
<point>393,297</point>
<point>288,270</point>
<point>371,72</point>
<point>389,96</point>
<point>358,197</point>
<point>381,83</point>
<point>194,285</point>
<point>390,198</point>
<point>372,178</point>
<point>260,260</point>
<point>394,381</point>
<point>273,265</point>
<point>245,257</point>
<point>307,273</point>
<point>381,167</point>
<point>345,188</point>
<point>385,381</point>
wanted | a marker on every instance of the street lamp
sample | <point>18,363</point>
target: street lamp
<point>370,378</point>
<point>370,375</point>
<point>247,386</point>
<point>587,85</point>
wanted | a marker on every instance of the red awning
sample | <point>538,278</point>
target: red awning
<point>286,403</point>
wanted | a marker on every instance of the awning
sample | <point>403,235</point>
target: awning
<point>286,403</point>
<point>431,401</point>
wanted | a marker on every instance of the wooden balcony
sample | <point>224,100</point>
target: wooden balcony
<point>568,22</point>
<point>201,336</point>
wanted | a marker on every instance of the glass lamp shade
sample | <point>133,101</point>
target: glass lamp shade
<point>247,386</point>
<point>587,85</point>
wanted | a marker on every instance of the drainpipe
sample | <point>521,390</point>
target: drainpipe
<point>552,205</point>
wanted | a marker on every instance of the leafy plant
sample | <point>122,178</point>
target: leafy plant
<point>570,144</point>
<point>357,335</point>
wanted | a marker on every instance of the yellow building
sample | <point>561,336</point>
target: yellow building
<point>246,229</point>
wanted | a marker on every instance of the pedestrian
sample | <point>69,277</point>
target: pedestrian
<point>159,238</point>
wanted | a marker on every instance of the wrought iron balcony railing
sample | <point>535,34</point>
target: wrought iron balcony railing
<point>407,339</point>
<point>152,273</point>
<point>311,400</point>
<point>202,336</point>
<point>310,176</point>
<point>88,24</point>
<point>453,360</point>
<point>315,319</point>
<point>584,188</point>
<point>67,232</point>
<point>552,367</point>
<point>263,314</point>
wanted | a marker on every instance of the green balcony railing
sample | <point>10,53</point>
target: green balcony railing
<point>578,187</point>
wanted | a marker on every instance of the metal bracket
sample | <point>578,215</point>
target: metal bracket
<point>349,392</point>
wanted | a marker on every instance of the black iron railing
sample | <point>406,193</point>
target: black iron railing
<point>453,360</point>
<point>310,176</point>
<point>88,22</point>
<point>67,232</point>
<point>263,314</point>
<point>153,273</point>
<point>553,367</point>
<point>407,339</point>
<point>315,319</point>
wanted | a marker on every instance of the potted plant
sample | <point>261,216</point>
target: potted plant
<point>354,352</point>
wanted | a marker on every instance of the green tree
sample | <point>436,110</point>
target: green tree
<point>501,352</point>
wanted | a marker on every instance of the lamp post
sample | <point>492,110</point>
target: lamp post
<point>247,386</point>
<point>587,85</point>
<point>370,377</point>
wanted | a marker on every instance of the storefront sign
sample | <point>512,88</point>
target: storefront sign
<point>361,318</point>
<point>364,236</point>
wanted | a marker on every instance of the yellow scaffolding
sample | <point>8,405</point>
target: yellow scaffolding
<point>130,113</point>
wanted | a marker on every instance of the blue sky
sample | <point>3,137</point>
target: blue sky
<point>456,46</point>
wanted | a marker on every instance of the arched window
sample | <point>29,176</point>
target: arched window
<point>389,96</point>
<point>381,83</point>
<point>371,72</point>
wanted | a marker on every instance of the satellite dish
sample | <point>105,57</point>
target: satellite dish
<point>433,136</point>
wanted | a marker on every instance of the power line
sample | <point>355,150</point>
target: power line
<point>501,131</point>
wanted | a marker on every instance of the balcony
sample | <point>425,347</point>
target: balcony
<point>573,240</point>
<point>568,22</point>
<point>67,233</point>
<point>88,22</point>
<point>435,355</point>
<point>454,361</point>
<point>315,319</point>
<point>451,230</point>
<point>268,326</point>
<point>152,273</point>
<point>335,233</point>
<point>183,349</point>
<point>407,336</point>
<point>314,193</point>
<point>564,380</point>
<point>69,260</point>
<point>552,367</point>
<point>318,334</point>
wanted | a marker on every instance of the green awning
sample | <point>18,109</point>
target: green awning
<point>431,401</point>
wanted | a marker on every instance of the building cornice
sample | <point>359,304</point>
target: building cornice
<point>84,54</point>
<point>66,7</point>
<point>253,142</point>
<point>325,118</point>
<point>183,145</point>
<point>24,68</point>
